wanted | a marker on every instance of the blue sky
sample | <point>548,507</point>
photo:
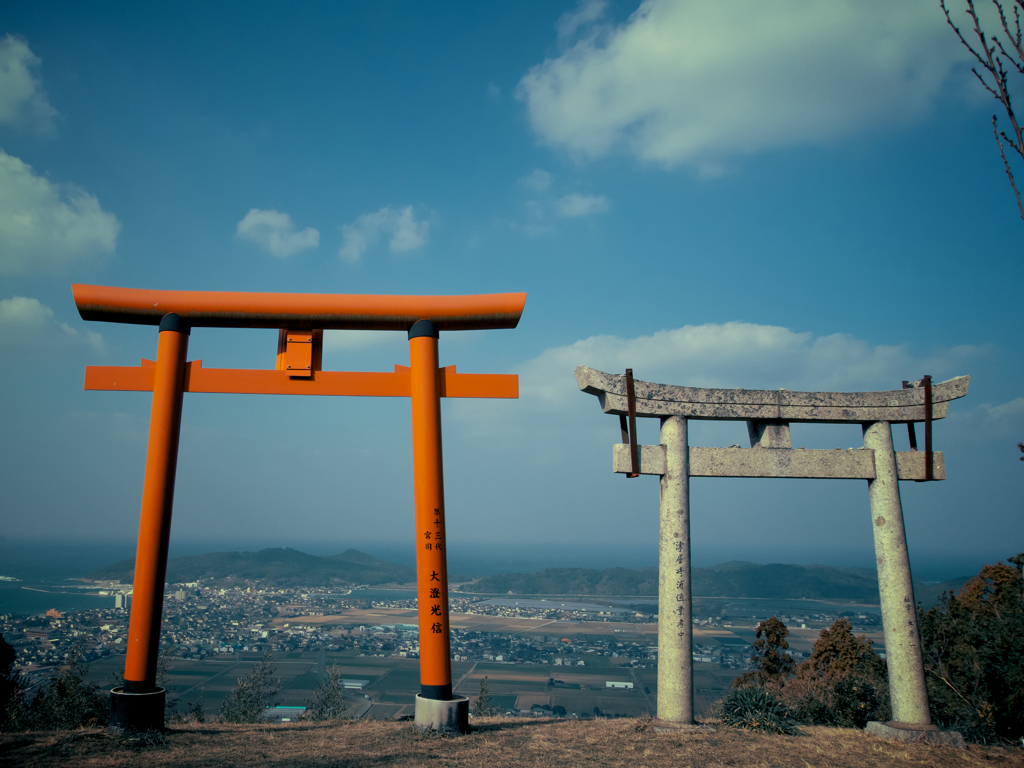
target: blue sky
<point>798,194</point>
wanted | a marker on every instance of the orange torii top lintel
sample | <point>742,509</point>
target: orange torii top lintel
<point>231,309</point>
<point>256,382</point>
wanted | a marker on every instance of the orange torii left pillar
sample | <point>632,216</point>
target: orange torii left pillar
<point>300,318</point>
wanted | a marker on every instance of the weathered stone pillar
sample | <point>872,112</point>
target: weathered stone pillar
<point>675,606</point>
<point>907,690</point>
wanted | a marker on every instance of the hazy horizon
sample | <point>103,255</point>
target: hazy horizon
<point>82,557</point>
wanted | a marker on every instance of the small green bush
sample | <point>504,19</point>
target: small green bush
<point>69,701</point>
<point>328,702</point>
<point>756,709</point>
<point>246,703</point>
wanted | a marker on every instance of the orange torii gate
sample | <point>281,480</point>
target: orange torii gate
<point>300,320</point>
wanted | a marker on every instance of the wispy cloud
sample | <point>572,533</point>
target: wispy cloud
<point>575,205</point>
<point>275,233</point>
<point>23,103</point>
<point>697,83</point>
<point>538,180</point>
<point>27,326</point>
<point>407,234</point>
<point>46,227</point>
<point>587,13</point>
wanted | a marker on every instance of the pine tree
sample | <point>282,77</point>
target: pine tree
<point>973,645</point>
<point>12,703</point>
<point>329,698</point>
<point>771,663</point>
<point>69,702</point>
<point>483,705</point>
<point>843,683</point>
<point>246,703</point>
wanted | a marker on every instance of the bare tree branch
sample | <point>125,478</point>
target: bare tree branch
<point>1006,163</point>
<point>992,63</point>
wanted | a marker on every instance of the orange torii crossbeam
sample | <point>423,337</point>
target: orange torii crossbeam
<point>300,320</point>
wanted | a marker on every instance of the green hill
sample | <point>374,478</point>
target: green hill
<point>734,579</point>
<point>280,567</point>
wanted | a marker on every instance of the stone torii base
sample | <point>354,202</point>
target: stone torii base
<point>768,414</point>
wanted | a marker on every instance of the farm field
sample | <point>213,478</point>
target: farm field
<point>520,686</point>
<point>393,682</point>
<point>578,631</point>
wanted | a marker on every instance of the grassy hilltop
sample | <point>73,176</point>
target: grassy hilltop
<point>494,743</point>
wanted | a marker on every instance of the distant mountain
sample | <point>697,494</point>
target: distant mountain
<point>282,567</point>
<point>928,594</point>
<point>734,579</point>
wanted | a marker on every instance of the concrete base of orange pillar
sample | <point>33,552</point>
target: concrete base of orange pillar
<point>136,712</point>
<point>434,715</point>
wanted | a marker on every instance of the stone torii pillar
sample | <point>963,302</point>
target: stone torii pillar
<point>768,414</point>
<point>300,319</point>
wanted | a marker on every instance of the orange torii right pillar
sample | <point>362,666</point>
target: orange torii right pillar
<point>436,708</point>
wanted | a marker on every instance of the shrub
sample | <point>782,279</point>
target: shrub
<point>842,684</point>
<point>328,701</point>
<point>69,702</point>
<point>756,709</point>
<point>484,705</point>
<point>771,663</point>
<point>246,703</point>
<point>973,644</point>
<point>12,702</point>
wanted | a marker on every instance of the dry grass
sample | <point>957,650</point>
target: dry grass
<point>494,743</point>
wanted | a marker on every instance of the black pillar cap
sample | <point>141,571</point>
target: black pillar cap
<point>436,692</point>
<point>173,322</point>
<point>423,328</point>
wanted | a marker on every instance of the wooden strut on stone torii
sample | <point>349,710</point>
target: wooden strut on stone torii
<point>300,320</point>
<point>768,414</point>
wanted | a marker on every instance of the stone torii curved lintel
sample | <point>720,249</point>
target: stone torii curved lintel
<point>898,406</point>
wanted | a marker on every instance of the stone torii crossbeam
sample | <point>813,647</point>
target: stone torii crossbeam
<point>300,320</point>
<point>768,414</point>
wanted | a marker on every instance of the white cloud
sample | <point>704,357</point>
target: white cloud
<point>407,234</point>
<point>274,232</point>
<point>23,103</point>
<point>1011,410</point>
<point>581,205</point>
<point>588,12</point>
<point>985,421</point>
<point>46,227</point>
<point>698,82</point>
<point>741,355</point>
<point>493,92</point>
<point>538,180</point>
<point>26,325</point>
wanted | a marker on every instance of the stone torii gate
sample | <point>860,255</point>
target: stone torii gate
<point>300,320</point>
<point>768,414</point>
